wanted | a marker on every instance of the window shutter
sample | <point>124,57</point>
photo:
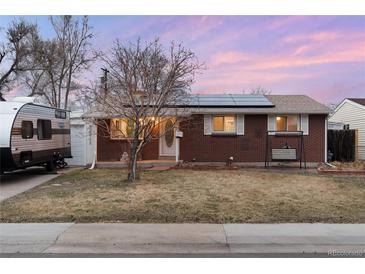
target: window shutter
<point>271,124</point>
<point>241,124</point>
<point>304,124</point>
<point>207,124</point>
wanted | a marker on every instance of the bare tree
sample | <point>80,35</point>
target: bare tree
<point>145,84</point>
<point>16,53</point>
<point>62,60</point>
<point>259,91</point>
<point>332,107</point>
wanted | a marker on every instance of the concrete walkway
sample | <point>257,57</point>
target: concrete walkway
<point>183,239</point>
<point>19,181</point>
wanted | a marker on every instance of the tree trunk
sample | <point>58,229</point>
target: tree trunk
<point>132,166</point>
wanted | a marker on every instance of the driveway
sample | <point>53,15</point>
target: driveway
<point>16,182</point>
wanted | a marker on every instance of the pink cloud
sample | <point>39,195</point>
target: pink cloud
<point>229,57</point>
<point>285,21</point>
<point>192,27</point>
<point>244,79</point>
<point>228,70</point>
<point>14,92</point>
<point>351,55</point>
<point>302,49</point>
<point>330,51</point>
<point>316,37</point>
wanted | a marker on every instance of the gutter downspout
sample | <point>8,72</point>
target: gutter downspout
<point>96,148</point>
<point>325,138</point>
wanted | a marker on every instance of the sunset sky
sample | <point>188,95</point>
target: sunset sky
<point>321,56</point>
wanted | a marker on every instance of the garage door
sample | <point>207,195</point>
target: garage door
<point>77,146</point>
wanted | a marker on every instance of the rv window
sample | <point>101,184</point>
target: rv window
<point>27,129</point>
<point>60,114</point>
<point>44,129</point>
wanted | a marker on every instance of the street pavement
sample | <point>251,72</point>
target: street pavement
<point>116,239</point>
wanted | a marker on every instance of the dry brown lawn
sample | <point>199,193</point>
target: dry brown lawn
<point>181,196</point>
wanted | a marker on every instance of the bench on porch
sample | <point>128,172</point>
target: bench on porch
<point>284,154</point>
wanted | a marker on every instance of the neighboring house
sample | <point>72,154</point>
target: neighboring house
<point>233,125</point>
<point>83,140</point>
<point>336,125</point>
<point>351,112</point>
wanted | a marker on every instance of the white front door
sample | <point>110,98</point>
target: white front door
<point>167,137</point>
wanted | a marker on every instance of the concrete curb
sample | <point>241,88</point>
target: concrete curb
<point>31,237</point>
<point>215,239</point>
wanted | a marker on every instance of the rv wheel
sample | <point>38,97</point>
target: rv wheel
<point>50,166</point>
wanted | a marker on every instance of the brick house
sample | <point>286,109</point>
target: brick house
<point>245,127</point>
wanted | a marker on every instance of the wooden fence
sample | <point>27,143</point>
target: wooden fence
<point>342,143</point>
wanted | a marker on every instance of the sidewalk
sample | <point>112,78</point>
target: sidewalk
<point>182,239</point>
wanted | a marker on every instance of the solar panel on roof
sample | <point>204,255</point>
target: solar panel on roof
<point>229,100</point>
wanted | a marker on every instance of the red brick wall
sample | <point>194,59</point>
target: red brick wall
<point>249,147</point>
<point>112,150</point>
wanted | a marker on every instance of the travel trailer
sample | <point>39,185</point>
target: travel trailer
<point>32,134</point>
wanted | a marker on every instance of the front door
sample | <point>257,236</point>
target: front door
<point>167,137</point>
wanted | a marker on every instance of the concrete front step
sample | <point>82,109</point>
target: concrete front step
<point>167,158</point>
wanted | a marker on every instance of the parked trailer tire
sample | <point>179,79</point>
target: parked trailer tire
<point>50,166</point>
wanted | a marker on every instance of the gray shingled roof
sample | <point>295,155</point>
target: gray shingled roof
<point>283,104</point>
<point>297,103</point>
<point>257,104</point>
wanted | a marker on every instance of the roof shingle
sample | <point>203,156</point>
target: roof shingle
<point>283,104</point>
<point>297,104</point>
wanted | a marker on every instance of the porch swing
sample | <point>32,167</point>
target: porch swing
<point>285,153</point>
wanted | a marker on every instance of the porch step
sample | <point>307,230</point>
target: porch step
<point>172,158</point>
<point>159,168</point>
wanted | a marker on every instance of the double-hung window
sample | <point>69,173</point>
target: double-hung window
<point>287,123</point>
<point>224,124</point>
<point>121,128</point>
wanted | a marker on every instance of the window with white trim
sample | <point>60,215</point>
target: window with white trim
<point>287,123</point>
<point>121,128</point>
<point>224,124</point>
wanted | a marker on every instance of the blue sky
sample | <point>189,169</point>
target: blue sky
<point>321,56</point>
